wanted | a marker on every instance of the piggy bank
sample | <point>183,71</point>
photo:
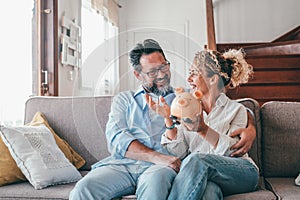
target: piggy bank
<point>186,105</point>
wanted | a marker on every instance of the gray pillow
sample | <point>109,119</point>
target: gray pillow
<point>37,155</point>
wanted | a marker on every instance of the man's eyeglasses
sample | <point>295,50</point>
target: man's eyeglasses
<point>163,68</point>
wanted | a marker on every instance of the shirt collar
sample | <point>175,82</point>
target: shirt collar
<point>141,91</point>
<point>222,100</point>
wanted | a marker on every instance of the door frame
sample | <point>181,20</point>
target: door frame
<point>46,54</point>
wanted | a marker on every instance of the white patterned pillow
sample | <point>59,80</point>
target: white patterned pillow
<point>37,155</point>
<point>297,180</point>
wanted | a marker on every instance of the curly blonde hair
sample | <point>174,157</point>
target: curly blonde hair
<point>231,66</point>
<point>241,71</point>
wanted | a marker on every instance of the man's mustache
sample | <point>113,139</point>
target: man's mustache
<point>161,79</point>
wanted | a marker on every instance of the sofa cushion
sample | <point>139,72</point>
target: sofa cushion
<point>284,188</point>
<point>80,121</point>
<point>37,155</point>
<point>22,191</point>
<point>259,194</point>
<point>281,139</point>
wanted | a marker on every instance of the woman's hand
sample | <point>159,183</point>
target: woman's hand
<point>197,125</point>
<point>203,130</point>
<point>161,107</point>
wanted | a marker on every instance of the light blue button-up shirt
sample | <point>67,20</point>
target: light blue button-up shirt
<point>130,119</point>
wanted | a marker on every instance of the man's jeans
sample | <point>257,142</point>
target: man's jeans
<point>199,172</point>
<point>113,181</point>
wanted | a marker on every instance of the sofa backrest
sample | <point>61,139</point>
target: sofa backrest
<point>80,121</point>
<point>281,138</point>
<point>255,151</point>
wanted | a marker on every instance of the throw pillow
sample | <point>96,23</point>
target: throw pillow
<point>37,155</point>
<point>297,180</point>
<point>38,119</point>
<point>9,171</point>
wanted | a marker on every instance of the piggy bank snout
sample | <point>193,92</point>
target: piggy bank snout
<point>182,102</point>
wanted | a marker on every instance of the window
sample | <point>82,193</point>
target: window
<point>99,41</point>
<point>16,60</point>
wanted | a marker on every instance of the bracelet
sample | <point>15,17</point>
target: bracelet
<point>170,127</point>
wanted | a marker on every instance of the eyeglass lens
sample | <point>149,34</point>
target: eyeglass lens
<point>164,68</point>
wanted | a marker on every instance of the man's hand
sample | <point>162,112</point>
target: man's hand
<point>161,107</point>
<point>247,136</point>
<point>170,161</point>
<point>138,151</point>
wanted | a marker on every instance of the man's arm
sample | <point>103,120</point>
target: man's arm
<point>138,151</point>
<point>247,136</point>
<point>123,144</point>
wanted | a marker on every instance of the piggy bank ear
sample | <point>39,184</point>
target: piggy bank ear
<point>197,94</point>
<point>179,90</point>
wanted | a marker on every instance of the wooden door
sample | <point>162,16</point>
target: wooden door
<point>46,45</point>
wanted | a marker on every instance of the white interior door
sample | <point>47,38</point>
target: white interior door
<point>175,44</point>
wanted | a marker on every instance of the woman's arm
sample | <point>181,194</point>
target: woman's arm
<point>216,133</point>
<point>207,133</point>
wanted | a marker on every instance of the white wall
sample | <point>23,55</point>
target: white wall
<point>160,11</point>
<point>254,20</point>
<point>235,21</point>
<point>179,26</point>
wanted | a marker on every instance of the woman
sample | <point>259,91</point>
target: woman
<point>205,144</point>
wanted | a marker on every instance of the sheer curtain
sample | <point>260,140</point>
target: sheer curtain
<point>99,38</point>
<point>16,60</point>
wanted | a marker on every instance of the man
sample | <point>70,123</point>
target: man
<point>137,164</point>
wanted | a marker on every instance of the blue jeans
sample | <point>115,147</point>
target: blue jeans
<point>201,174</point>
<point>113,181</point>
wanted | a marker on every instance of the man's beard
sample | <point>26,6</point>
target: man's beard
<point>162,91</point>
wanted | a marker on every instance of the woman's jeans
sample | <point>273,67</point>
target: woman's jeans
<point>198,171</point>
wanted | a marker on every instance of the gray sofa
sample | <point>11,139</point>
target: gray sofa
<point>81,122</point>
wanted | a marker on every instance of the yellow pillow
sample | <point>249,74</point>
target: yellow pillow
<point>9,171</point>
